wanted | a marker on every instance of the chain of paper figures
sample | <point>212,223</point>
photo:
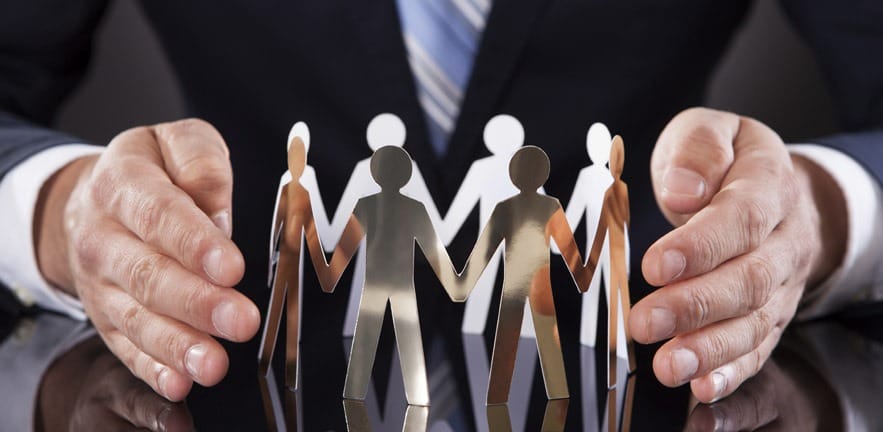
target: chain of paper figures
<point>387,215</point>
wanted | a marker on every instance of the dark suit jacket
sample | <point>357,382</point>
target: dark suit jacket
<point>253,68</point>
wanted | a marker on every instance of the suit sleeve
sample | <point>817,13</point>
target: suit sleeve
<point>44,50</point>
<point>847,39</point>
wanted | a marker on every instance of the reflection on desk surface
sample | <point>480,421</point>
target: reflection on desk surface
<point>57,375</point>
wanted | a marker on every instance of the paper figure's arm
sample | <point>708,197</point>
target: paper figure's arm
<point>421,193</point>
<point>358,186</point>
<point>465,200</point>
<point>278,217</point>
<point>437,256</point>
<point>601,231</point>
<point>579,200</point>
<point>329,273</point>
<point>562,235</point>
<point>320,216</point>
<point>488,242</point>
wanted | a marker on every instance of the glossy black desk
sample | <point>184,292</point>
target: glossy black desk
<point>825,375</point>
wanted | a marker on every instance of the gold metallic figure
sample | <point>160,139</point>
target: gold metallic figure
<point>391,223</point>
<point>525,223</point>
<point>357,419</point>
<point>293,224</point>
<point>615,218</point>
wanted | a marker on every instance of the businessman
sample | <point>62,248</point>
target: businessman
<point>137,236</point>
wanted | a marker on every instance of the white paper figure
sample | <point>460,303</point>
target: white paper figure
<point>587,198</point>
<point>384,130</point>
<point>486,184</point>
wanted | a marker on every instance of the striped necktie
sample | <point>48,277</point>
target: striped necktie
<point>442,37</point>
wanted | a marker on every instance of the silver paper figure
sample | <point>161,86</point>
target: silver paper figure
<point>524,224</point>
<point>391,223</point>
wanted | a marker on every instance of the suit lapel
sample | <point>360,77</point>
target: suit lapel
<point>505,35</point>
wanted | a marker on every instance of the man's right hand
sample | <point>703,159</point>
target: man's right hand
<point>141,235</point>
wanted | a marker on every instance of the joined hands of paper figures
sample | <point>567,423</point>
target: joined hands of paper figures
<point>391,223</point>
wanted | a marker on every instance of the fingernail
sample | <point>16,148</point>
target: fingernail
<point>662,323</point>
<point>684,364</point>
<point>211,263</point>
<point>673,264</point>
<point>223,221</point>
<point>719,382</point>
<point>681,181</point>
<point>224,319</point>
<point>194,359</point>
<point>162,380</point>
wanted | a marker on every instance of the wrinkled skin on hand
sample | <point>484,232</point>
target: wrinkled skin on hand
<point>754,227</point>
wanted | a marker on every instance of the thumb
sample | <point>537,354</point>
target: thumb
<point>691,159</point>
<point>198,161</point>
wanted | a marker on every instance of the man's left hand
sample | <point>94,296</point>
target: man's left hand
<point>754,228</point>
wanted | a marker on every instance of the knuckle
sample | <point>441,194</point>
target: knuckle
<point>764,322</point>
<point>716,348</point>
<point>706,249</point>
<point>104,185</point>
<point>756,220</point>
<point>146,273</point>
<point>204,172</point>
<point>699,306</point>
<point>191,242</point>
<point>88,248</point>
<point>194,299</point>
<point>150,212</point>
<point>759,281</point>
<point>133,323</point>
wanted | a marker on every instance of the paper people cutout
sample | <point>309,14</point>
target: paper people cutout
<point>383,130</point>
<point>524,225</point>
<point>486,184</point>
<point>294,224</point>
<point>387,224</point>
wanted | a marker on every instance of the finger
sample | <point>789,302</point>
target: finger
<point>162,286</point>
<point>759,190</point>
<point>142,199</point>
<point>198,161</point>
<point>696,354</point>
<point>168,341</point>
<point>724,380</point>
<point>162,379</point>
<point>739,286</point>
<point>142,407</point>
<point>690,159</point>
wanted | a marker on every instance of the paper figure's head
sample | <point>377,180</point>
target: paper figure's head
<point>300,129</point>
<point>529,168</point>
<point>385,130</point>
<point>391,167</point>
<point>503,134</point>
<point>617,157</point>
<point>297,157</point>
<point>598,144</point>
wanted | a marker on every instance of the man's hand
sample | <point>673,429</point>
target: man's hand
<point>142,236</point>
<point>755,227</point>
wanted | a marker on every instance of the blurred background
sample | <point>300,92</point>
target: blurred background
<point>768,74</point>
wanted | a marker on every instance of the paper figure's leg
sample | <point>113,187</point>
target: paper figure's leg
<point>505,348</point>
<point>410,346</point>
<point>356,414</point>
<point>625,307</point>
<point>369,323</point>
<point>588,333</point>
<point>479,302</point>
<point>274,315</point>
<point>358,282</point>
<point>551,359</point>
<point>612,332</point>
<point>292,326</point>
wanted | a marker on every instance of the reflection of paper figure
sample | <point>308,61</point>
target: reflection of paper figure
<point>486,184</point>
<point>292,224</point>
<point>357,419</point>
<point>554,417</point>
<point>391,223</point>
<point>478,370</point>
<point>524,224</point>
<point>383,130</point>
<point>615,217</point>
<point>587,197</point>
<point>618,403</point>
